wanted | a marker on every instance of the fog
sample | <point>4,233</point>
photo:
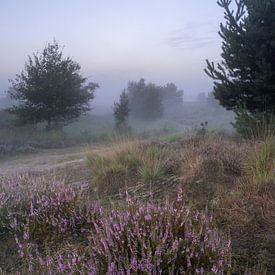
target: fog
<point>116,41</point>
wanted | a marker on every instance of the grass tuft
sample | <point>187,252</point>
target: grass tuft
<point>261,161</point>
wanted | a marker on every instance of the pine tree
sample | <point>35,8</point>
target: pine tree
<point>246,76</point>
<point>50,89</point>
<point>121,112</point>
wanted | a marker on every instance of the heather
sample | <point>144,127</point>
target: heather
<point>196,203</point>
<point>54,231</point>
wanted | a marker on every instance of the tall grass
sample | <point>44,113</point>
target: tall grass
<point>152,162</point>
<point>258,126</point>
<point>125,163</point>
<point>261,161</point>
<point>60,228</point>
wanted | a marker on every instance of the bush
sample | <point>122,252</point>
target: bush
<point>257,126</point>
<point>151,238</point>
<point>43,216</point>
<point>169,239</point>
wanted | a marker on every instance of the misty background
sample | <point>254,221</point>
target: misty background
<point>116,41</point>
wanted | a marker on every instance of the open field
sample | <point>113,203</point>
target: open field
<point>232,178</point>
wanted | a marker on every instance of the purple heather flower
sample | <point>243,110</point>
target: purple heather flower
<point>26,235</point>
<point>61,266</point>
<point>214,269</point>
<point>148,217</point>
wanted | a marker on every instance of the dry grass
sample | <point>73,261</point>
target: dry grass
<point>125,164</point>
<point>234,179</point>
<point>208,164</point>
<point>248,213</point>
<point>261,162</point>
<point>248,210</point>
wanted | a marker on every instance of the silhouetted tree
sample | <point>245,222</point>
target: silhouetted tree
<point>145,100</point>
<point>50,89</point>
<point>121,112</point>
<point>246,75</point>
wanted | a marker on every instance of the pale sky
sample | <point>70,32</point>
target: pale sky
<point>116,40</point>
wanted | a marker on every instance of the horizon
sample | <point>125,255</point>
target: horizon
<point>116,41</point>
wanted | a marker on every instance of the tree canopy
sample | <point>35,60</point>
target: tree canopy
<point>50,89</point>
<point>246,76</point>
<point>145,100</point>
<point>171,96</point>
<point>150,101</point>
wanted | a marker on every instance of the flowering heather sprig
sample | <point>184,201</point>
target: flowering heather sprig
<point>155,239</point>
<point>57,214</point>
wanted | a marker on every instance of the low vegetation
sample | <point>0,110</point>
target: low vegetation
<point>194,203</point>
<point>200,203</point>
<point>56,228</point>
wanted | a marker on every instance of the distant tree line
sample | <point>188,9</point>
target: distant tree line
<point>146,101</point>
<point>51,89</point>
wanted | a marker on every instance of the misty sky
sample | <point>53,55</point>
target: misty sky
<point>116,40</point>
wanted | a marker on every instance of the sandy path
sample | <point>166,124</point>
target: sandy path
<point>42,161</point>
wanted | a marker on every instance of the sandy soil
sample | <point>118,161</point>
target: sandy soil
<point>43,161</point>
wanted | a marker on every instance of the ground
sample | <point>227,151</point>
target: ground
<point>43,161</point>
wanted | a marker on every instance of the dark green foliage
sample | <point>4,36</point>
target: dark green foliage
<point>50,89</point>
<point>145,100</point>
<point>121,111</point>
<point>171,96</point>
<point>258,126</point>
<point>246,75</point>
<point>150,101</point>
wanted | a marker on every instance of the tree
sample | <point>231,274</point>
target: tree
<point>171,96</point>
<point>50,89</point>
<point>121,112</point>
<point>246,76</point>
<point>145,100</point>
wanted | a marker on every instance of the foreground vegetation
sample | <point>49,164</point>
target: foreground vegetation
<point>200,203</point>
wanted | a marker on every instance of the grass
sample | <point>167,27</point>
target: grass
<point>124,163</point>
<point>137,182</point>
<point>152,164</point>
<point>91,129</point>
<point>261,161</point>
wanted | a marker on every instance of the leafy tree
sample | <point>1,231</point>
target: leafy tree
<point>145,100</point>
<point>50,89</point>
<point>171,96</point>
<point>246,76</point>
<point>121,111</point>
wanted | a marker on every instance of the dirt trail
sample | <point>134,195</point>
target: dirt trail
<point>43,161</point>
